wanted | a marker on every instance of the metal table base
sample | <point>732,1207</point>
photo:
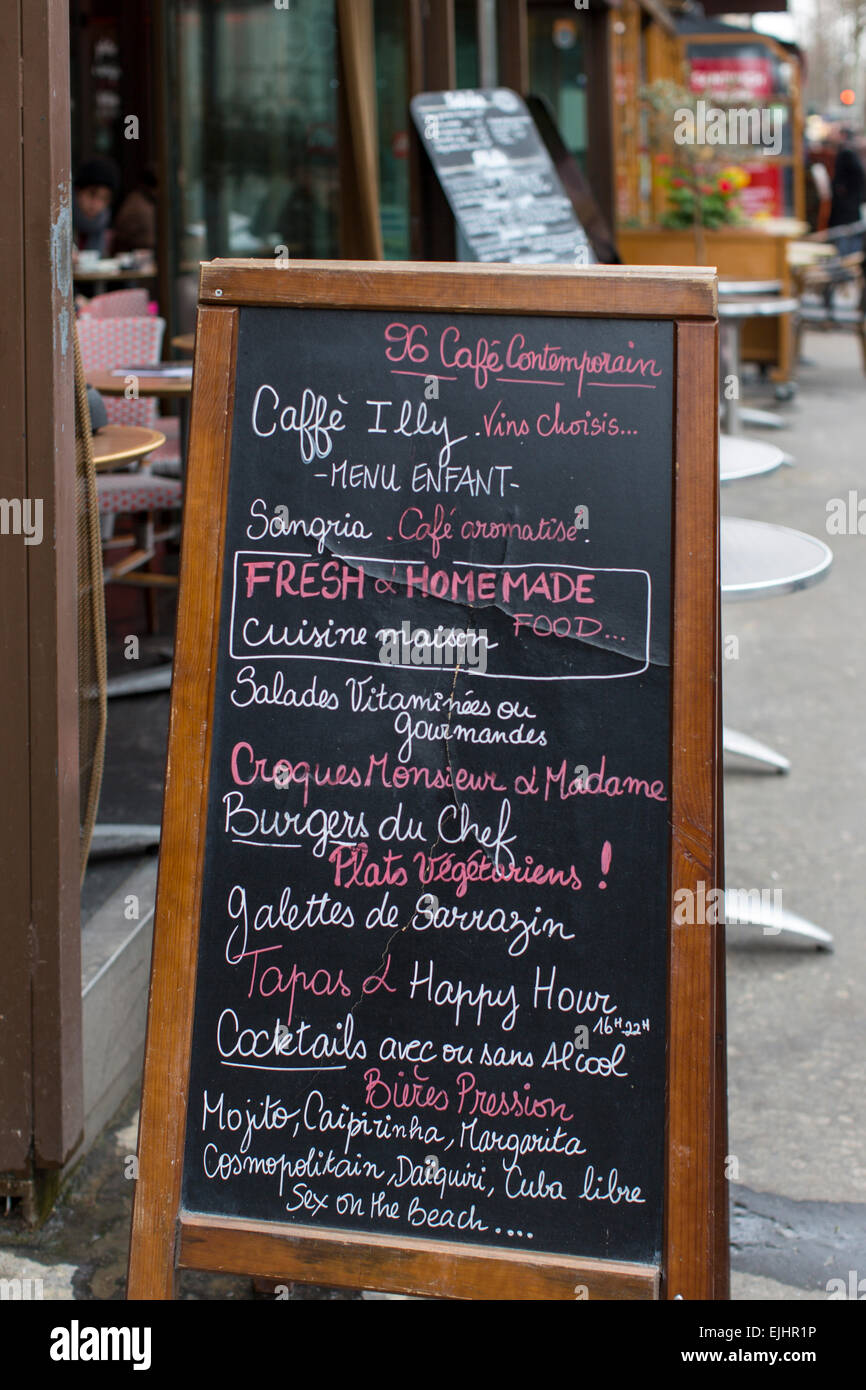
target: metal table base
<point>773,921</point>
<point>743,746</point>
<point>759,559</point>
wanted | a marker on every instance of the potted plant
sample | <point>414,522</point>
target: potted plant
<point>700,185</point>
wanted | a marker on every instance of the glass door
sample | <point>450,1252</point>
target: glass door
<point>253,92</point>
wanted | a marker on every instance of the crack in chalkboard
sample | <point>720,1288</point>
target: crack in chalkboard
<point>387,572</point>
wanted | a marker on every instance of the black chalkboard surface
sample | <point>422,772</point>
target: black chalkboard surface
<point>497,175</point>
<point>432,964</point>
<point>434,856</point>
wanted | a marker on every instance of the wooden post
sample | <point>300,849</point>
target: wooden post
<point>415,84</point>
<point>513,29</point>
<point>16,1118</point>
<point>169,198</point>
<point>440,45</point>
<point>41,1105</point>
<point>601,156</point>
<point>361,230</point>
<point>432,68</point>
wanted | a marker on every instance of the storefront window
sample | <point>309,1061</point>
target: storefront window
<point>97,106</point>
<point>466,41</point>
<point>557,70</point>
<point>392,100</point>
<point>255,93</point>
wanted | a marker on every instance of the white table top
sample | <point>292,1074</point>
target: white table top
<point>746,458</point>
<point>751,306</point>
<point>750,286</point>
<point>759,558</point>
<point>110,270</point>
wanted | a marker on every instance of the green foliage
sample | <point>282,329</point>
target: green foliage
<point>701,185</point>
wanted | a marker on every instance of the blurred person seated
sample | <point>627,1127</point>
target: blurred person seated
<point>93,191</point>
<point>135,223</point>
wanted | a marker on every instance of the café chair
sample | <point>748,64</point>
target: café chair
<point>124,304</point>
<point>108,343</point>
<point>819,309</point>
<point>166,459</point>
<point>140,495</point>
<point>832,290</point>
<point>92,662</point>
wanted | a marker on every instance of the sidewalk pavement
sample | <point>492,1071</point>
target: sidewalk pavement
<point>796,1016</point>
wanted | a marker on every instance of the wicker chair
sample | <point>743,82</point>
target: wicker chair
<point>92,661</point>
<point>833,293</point>
<point>92,702</point>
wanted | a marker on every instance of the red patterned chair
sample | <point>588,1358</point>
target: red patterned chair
<point>123,304</point>
<point>112,342</point>
<point>142,496</point>
<point>107,343</point>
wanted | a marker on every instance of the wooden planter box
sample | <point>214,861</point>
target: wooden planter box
<point>738,253</point>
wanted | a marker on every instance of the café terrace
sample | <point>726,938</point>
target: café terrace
<point>254,131</point>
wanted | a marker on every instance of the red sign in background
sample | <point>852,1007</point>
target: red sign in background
<point>733,79</point>
<point>748,80</point>
<point>763,195</point>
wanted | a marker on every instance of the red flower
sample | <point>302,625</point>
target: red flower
<point>678,183</point>
<point>725,186</point>
<point>663,159</point>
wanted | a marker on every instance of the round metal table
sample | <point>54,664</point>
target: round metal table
<point>114,444</point>
<point>107,273</point>
<point>759,558</point>
<point>750,287</point>
<point>734,309</point>
<point>114,383</point>
<point>168,387</point>
<point>747,458</point>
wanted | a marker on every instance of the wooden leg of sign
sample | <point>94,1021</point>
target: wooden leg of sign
<point>152,1254</point>
<point>722,1281</point>
<point>723,1195</point>
<point>691,1255</point>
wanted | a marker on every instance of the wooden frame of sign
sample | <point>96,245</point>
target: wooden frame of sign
<point>694,1250</point>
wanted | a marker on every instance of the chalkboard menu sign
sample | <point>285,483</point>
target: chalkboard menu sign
<point>497,175</point>
<point>413,985</point>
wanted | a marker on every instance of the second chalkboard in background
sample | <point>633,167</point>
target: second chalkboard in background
<point>499,179</point>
